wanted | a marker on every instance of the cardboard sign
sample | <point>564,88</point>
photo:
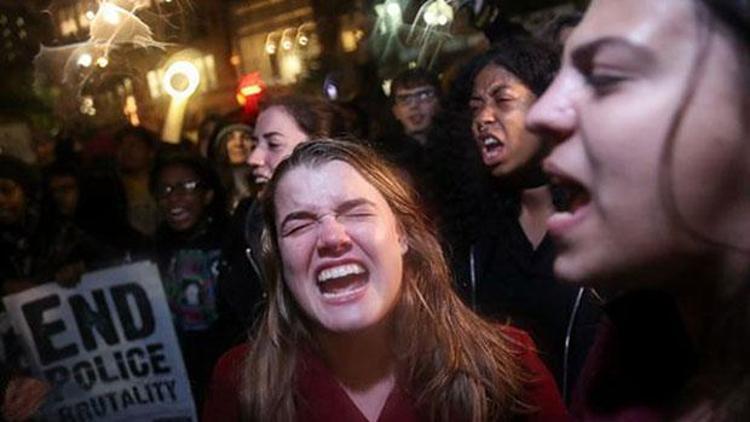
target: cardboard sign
<point>108,347</point>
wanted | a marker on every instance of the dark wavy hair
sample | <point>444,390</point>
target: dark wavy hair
<point>533,61</point>
<point>723,381</point>
<point>413,78</point>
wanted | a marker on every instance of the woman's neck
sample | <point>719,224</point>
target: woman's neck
<point>536,208</point>
<point>364,364</point>
<point>358,359</point>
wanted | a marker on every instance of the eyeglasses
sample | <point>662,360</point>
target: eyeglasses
<point>187,187</point>
<point>417,97</point>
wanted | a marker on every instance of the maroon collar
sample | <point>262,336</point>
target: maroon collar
<point>321,397</point>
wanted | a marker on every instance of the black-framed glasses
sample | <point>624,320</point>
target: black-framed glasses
<point>186,187</point>
<point>416,97</point>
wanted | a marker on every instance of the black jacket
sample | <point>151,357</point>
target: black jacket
<point>501,276</point>
<point>241,282</point>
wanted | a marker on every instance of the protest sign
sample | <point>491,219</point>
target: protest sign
<point>108,347</point>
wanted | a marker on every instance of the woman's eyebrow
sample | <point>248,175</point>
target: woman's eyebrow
<point>271,133</point>
<point>353,203</point>
<point>297,215</point>
<point>583,53</point>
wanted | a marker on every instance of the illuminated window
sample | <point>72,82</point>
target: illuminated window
<point>154,86</point>
<point>210,75</point>
<point>68,25</point>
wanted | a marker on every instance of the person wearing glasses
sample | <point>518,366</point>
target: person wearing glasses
<point>415,101</point>
<point>415,94</point>
<point>188,248</point>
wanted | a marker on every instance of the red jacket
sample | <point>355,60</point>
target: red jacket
<point>327,401</point>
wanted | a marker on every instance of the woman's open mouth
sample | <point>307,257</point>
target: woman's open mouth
<point>342,283</point>
<point>178,214</point>
<point>492,149</point>
<point>572,205</point>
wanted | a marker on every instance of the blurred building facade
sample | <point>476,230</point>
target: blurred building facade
<point>285,41</point>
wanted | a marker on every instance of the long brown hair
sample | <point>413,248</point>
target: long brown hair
<point>316,117</point>
<point>451,361</point>
<point>721,389</point>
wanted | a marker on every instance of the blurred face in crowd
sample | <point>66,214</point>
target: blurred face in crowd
<point>499,103</point>
<point>340,245</point>
<point>415,108</point>
<point>626,72</point>
<point>182,196</point>
<point>64,190</point>
<point>44,149</point>
<point>12,202</point>
<point>276,134</point>
<point>239,145</point>
<point>134,154</point>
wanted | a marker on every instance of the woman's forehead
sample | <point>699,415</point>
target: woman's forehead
<point>658,24</point>
<point>323,186</point>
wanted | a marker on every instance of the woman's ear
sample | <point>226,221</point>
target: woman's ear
<point>403,242</point>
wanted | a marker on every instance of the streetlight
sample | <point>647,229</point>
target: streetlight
<point>102,61</point>
<point>271,43</point>
<point>302,33</point>
<point>180,81</point>
<point>84,60</point>
<point>111,13</point>
<point>437,13</point>
<point>390,15</point>
<point>286,39</point>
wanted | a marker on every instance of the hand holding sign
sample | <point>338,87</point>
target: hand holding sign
<point>107,347</point>
<point>23,397</point>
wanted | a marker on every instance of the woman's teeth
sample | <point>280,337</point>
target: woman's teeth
<point>339,272</point>
<point>490,142</point>
<point>177,213</point>
<point>340,281</point>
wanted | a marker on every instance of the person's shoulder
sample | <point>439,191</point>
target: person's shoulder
<point>227,374</point>
<point>234,357</point>
<point>518,337</point>
<point>223,393</point>
<point>542,393</point>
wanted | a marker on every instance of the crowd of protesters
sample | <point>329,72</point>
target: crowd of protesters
<point>543,234</point>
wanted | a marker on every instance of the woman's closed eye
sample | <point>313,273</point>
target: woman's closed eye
<point>274,145</point>
<point>355,216</point>
<point>359,212</point>
<point>296,227</point>
<point>603,82</point>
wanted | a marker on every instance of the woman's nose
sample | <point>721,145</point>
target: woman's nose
<point>333,237</point>
<point>484,116</point>
<point>256,157</point>
<point>553,115</point>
